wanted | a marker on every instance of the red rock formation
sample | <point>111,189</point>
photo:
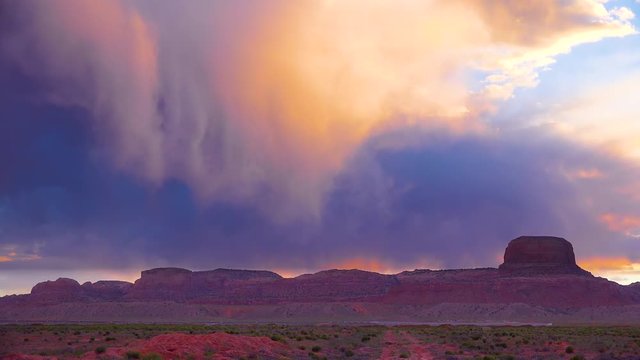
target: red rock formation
<point>106,289</point>
<point>536,255</point>
<point>181,285</point>
<point>162,284</point>
<point>330,285</point>
<point>66,290</point>
<point>537,271</point>
<point>59,290</point>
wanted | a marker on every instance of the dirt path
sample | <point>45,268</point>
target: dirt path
<point>399,343</point>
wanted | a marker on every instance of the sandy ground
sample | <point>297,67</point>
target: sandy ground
<point>399,343</point>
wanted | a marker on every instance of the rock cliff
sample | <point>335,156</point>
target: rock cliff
<point>537,255</point>
<point>537,271</point>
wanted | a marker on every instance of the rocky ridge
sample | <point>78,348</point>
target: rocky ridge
<point>537,272</point>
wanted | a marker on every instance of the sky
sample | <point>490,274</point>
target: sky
<point>300,136</point>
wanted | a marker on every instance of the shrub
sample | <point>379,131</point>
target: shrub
<point>133,355</point>
<point>152,356</point>
<point>100,349</point>
<point>208,352</point>
<point>348,353</point>
<point>577,357</point>
<point>316,348</point>
<point>569,350</point>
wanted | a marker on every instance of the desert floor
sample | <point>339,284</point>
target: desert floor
<point>155,341</point>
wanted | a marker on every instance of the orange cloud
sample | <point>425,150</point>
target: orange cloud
<point>619,269</point>
<point>620,222</point>
<point>588,174</point>
<point>632,191</point>
<point>235,99</point>
<point>362,264</point>
<point>600,264</point>
<point>603,115</point>
<point>17,257</point>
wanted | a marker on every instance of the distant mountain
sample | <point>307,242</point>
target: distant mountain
<point>539,281</point>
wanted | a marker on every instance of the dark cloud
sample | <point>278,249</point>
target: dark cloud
<point>439,198</point>
<point>447,199</point>
<point>458,199</point>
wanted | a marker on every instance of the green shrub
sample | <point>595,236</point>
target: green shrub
<point>569,350</point>
<point>316,349</point>
<point>133,355</point>
<point>100,349</point>
<point>152,356</point>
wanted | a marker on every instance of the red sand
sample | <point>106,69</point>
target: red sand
<point>218,346</point>
<point>397,343</point>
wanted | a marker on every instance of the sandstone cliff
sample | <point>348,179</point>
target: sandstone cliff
<point>537,272</point>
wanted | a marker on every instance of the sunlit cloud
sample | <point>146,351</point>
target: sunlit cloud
<point>619,269</point>
<point>258,104</point>
<point>621,222</point>
<point>599,264</point>
<point>527,36</point>
<point>14,253</point>
<point>301,136</point>
<point>370,263</point>
<point>603,116</point>
<point>623,13</point>
<point>587,174</point>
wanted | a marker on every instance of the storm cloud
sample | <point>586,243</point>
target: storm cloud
<point>296,136</point>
